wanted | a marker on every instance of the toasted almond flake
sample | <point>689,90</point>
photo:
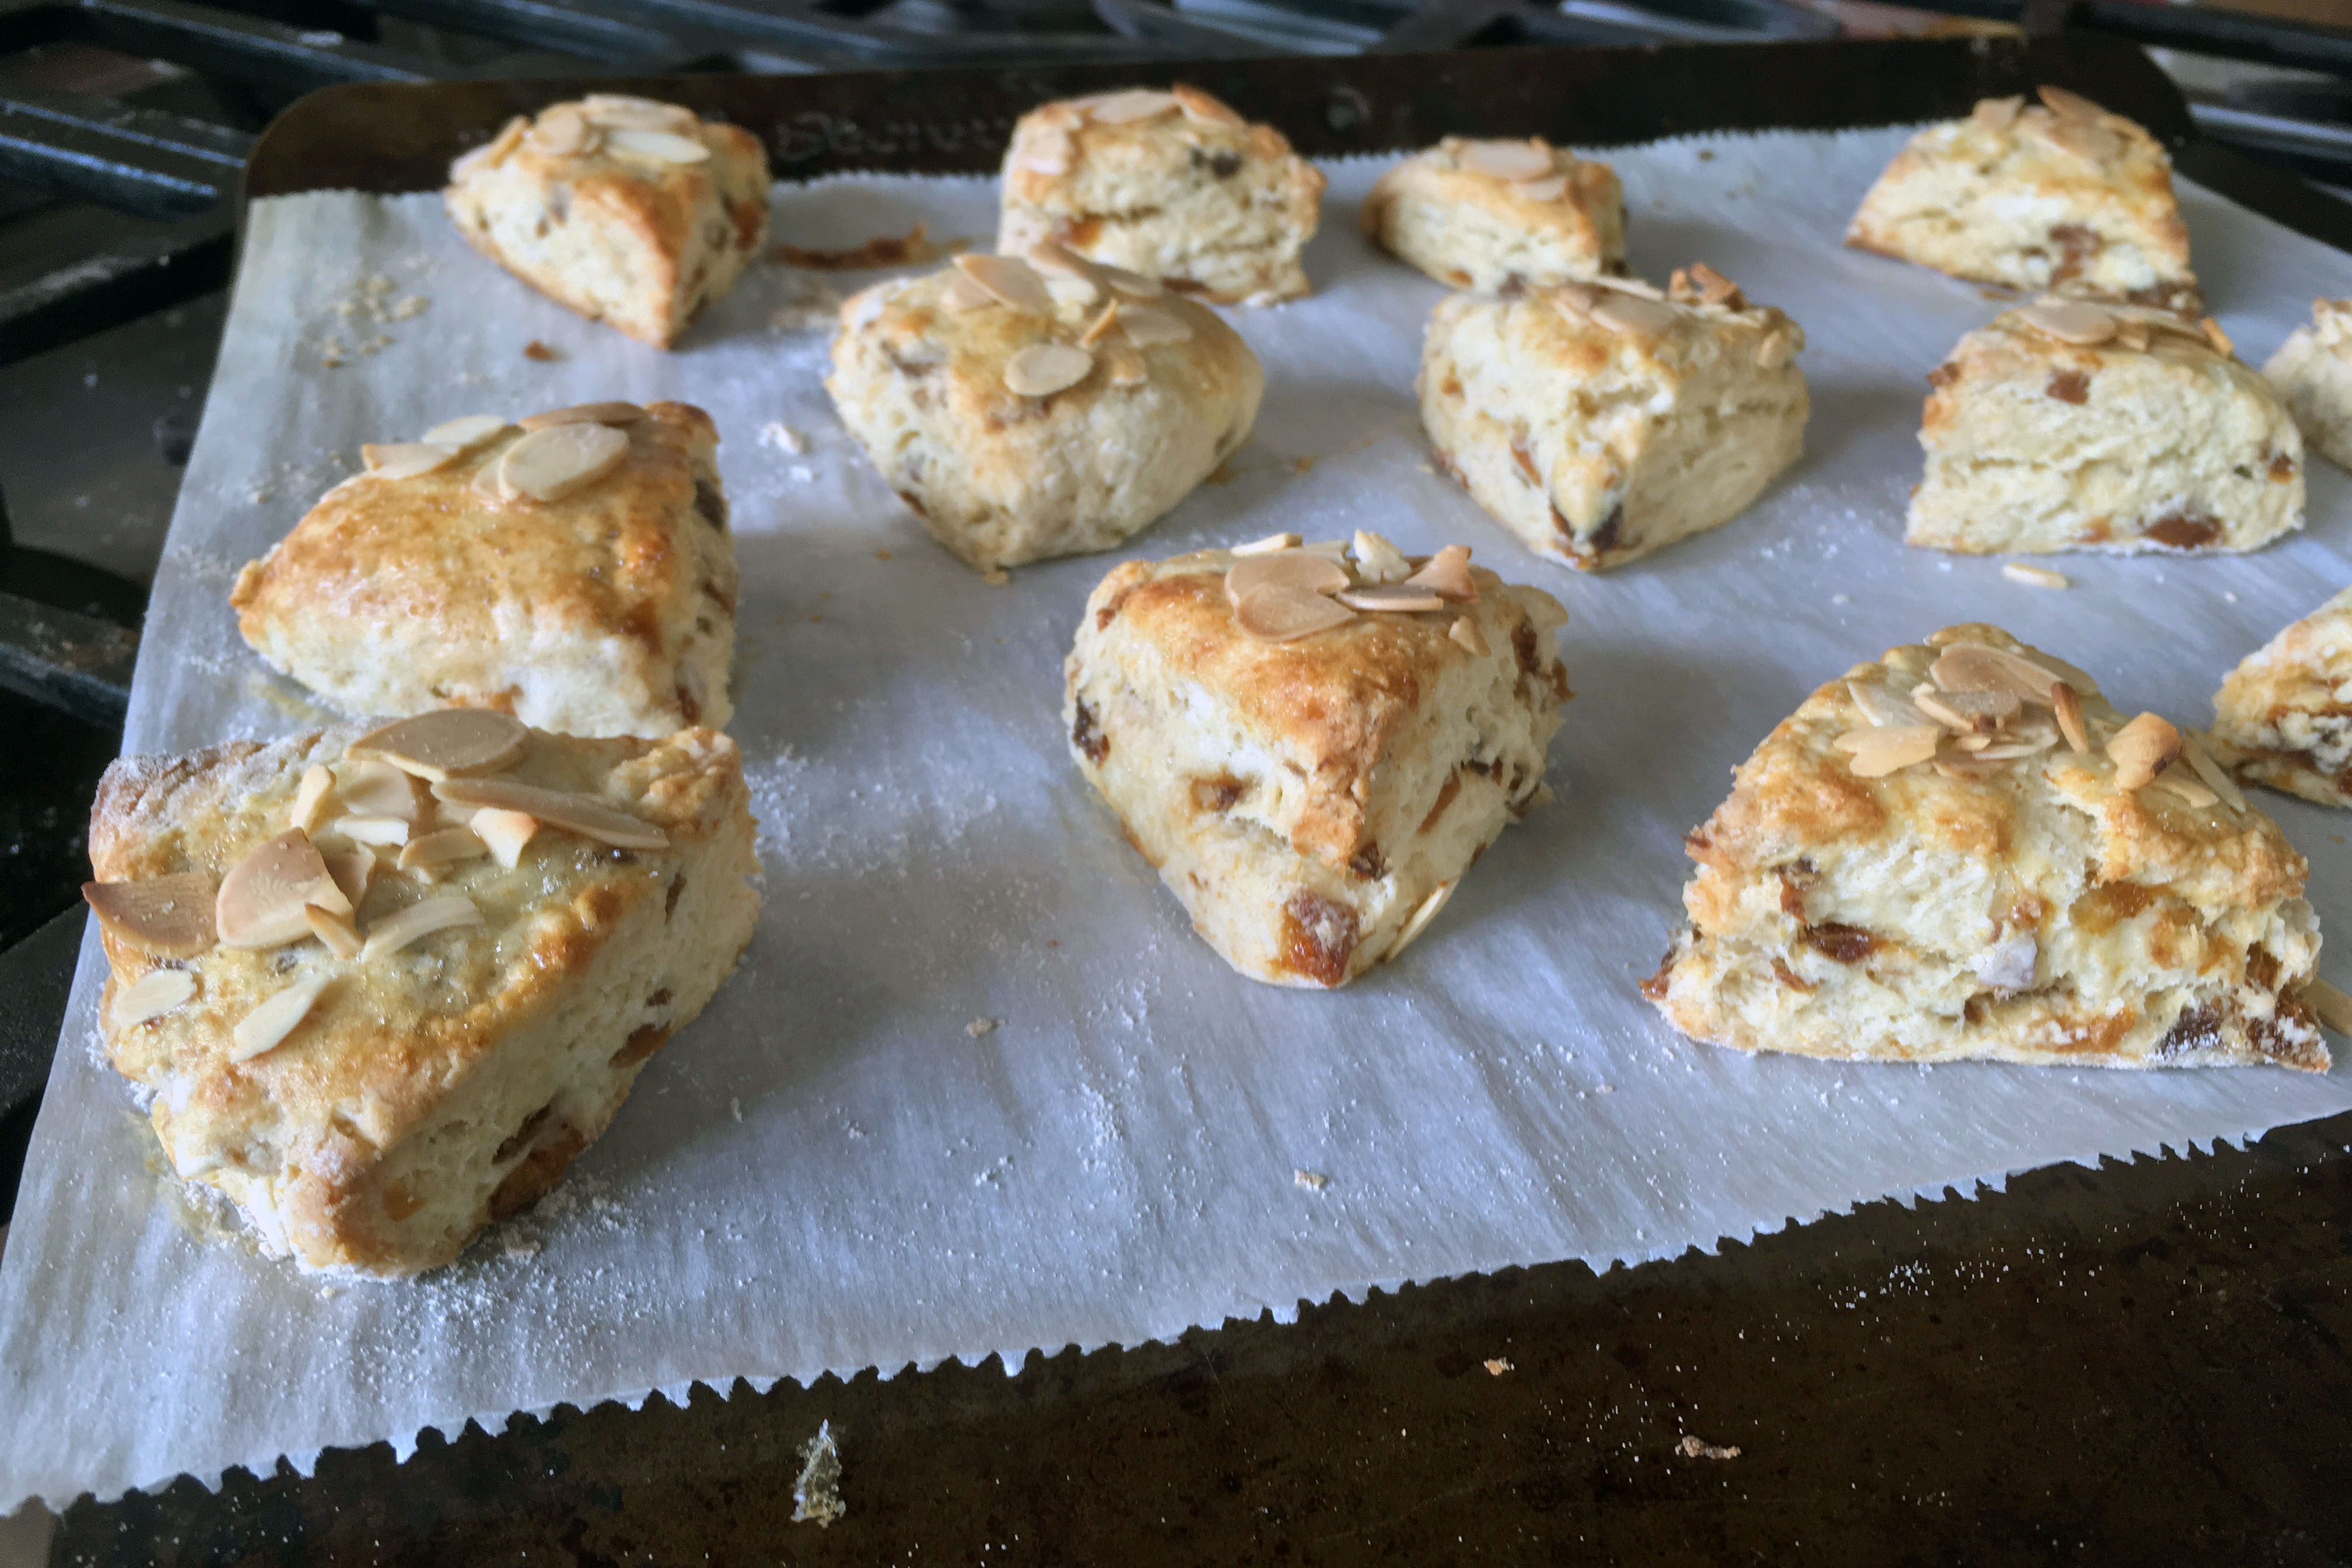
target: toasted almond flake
<point>561,130</point>
<point>1506,160</point>
<point>1199,106</point>
<point>1100,327</point>
<point>1633,316</point>
<point>1011,281</point>
<point>579,814</point>
<point>1883,708</point>
<point>1877,752</point>
<point>1447,574</point>
<point>152,995</point>
<point>1713,287</point>
<point>1972,768</point>
<point>1542,192</point>
<point>362,828</point>
<point>170,917</point>
<point>260,900</point>
<point>2034,576</point>
<point>2181,784</point>
<point>1972,743</point>
<point>1268,545</point>
<point>1147,326</point>
<point>446,742</point>
<point>1396,598</point>
<point>1973,666</point>
<point>335,931</point>
<point>493,153</point>
<point>1042,369</point>
<point>370,786</point>
<point>660,146</point>
<point>584,413</point>
<point>1047,149</point>
<point>2068,708</point>
<point>353,870</point>
<point>2094,144</point>
<point>1997,113</point>
<point>1134,106</point>
<point>266,1026</point>
<point>1376,561</point>
<point>627,108</point>
<point>504,833</point>
<point>2217,777</point>
<point>962,294</point>
<point>1281,614</point>
<point>311,798</point>
<point>418,920</point>
<point>443,847</point>
<point>2141,750</point>
<point>1574,302</point>
<point>405,459</point>
<point>559,461</point>
<point>2216,337</point>
<point>2009,748</point>
<point>1300,571</point>
<point>1968,712</point>
<point>2133,333</point>
<point>1775,350</point>
<point>1419,920</point>
<point>2069,105</point>
<point>2070,321</point>
<point>2329,1006</point>
<point>1123,364</point>
<point>1465,632</point>
<point>466,432</point>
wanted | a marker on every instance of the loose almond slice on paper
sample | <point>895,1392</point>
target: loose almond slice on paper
<point>1418,922</point>
<point>584,413</point>
<point>417,921</point>
<point>1447,574</point>
<point>1298,571</point>
<point>579,814</point>
<point>1042,369</point>
<point>152,995</point>
<point>1878,752</point>
<point>446,742</point>
<point>504,833</point>
<point>266,1026</point>
<point>1008,280</point>
<point>260,900</point>
<point>406,460</point>
<point>1283,614</point>
<point>2143,749</point>
<point>170,917</point>
<point>466,432</point>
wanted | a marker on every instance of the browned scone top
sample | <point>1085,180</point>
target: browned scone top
<point>609,611</point>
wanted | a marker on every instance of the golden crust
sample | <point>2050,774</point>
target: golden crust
<point>2283,716</point>
<point>1472,230</point>
<point>309,1137</point>
<point>609,612</point>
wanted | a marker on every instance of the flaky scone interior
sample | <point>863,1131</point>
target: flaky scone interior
<point>2283,716</point>
<point>1963,851</point>
<point>380,987</point>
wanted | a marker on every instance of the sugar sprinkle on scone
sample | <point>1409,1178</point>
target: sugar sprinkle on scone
<point>632,212</point>
<point>1600,421</point>
<point>2313,371</point>
<point>1026,411</point>
<point>2283,716</point>
<point>2070,425</point>
<point>1963,851</point>
<point>572,569</point>
<point>2058,196</point>
<point>1174,185</point>
<point>1312,744</point>
<point>1500,217</point>
<point>381,985</point>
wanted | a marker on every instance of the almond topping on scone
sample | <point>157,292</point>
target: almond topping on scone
<point>1499,217</point>
<point>2283,716</point>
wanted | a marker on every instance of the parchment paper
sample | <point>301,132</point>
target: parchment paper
<point>840,1165</point>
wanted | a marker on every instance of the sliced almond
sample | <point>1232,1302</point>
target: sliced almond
<point>1123,364</point>
<point>561,130</point>
<point>1973,666</point>
<point>1971,768</point>
<point>962,294</point>
<point>1969,713</point>
<point>1877,752</point>
<point>1132,107</point>
<point>627,108</point>
<point>1378,560</point>
<point>170,917</point>
<point>2181,784</point>
<point>1199,106</point>
<point>418,920</point>
<point>2009,748</point>
<point>2070,321</point>
<point>443,847</point>
<point>152,995</point>
<point>1268,545</point>
<point>1883,708</point>
<point>310,799</point>
<point>2069,105</point>
<point>1542,192</point>
<point>2133,333</point>
<point>2033,576</point>
<point>2329,1006</point>
<point>1042,369</point>
<point>1300,571</point>
<point>266,1026</point>
<point>1396,598</point>
<point>466,432</point>
<point>1775,350</point>
<point>659,147</point>
<point>1633,316</point>
<point>1574,302</point>
<point>579,814</point>
<point>405,459</point>
<point>260,900</point>
<point>1281,614</point>
<point>1713,287</point>
<point>2217,777</point>
<point>584,413</point>
<point>1147,326</point>
<point>1011,281</point>
<point>1046,149</point>
<point>2068,708</point>
<point>335,931</point>
<point>370,786</point>
<point>446,742</point>
<point>504,833</point>
<point>1465,632</point>
<point>353,870</point>
<point>1418,922</point>
<point>1997,113</point>
<point>2216,337</point>
<point>558,461</point>
<point>1100,327</point>
<point>2143,749</point>
<point>1506,160</point>
<point>363,829</point>
<point>2094,144</point>
<point>1447,574</point>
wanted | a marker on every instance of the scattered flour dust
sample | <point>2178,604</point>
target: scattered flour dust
<point>816,1495</point>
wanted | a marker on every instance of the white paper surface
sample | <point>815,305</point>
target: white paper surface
<point>829,1171</point>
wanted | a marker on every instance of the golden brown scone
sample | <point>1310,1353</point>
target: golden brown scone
<point>2313,371</point>
<point>1313,780</point>
<point>2283,716</point>
<point>1174,185</point>
<point>633,213</point>
<point>1500,217</point>
<point>488,961</point>
<point>1962,851</point>
<point>1024,415</point>
<point>2058,196</point>
<point>442,576</point>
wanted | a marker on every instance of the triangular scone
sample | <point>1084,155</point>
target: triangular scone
<point>1500,218</point>
<point>1962,851</point>
<point>632,212</point>
<point>2312,372</point>
<point>379,1011</point>
<point>572,569</point>
<point>2283,716</point>
<point>2059,196</point>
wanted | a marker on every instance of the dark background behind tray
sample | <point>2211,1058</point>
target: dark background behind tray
<point>2139,1363</point>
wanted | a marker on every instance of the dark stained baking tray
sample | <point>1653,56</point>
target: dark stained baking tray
<point>2142,1362</point>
